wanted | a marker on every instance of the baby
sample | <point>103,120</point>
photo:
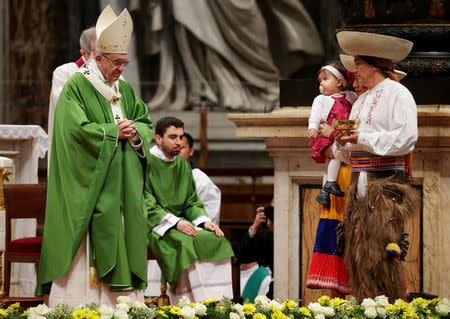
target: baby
<point>334,102</point>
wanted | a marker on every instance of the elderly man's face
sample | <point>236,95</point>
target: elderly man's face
<point>111,65</point>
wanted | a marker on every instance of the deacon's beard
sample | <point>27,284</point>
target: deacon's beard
<point>170,152</point>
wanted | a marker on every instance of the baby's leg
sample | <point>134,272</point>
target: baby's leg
<point>333,170</point>
<point>331,186</point>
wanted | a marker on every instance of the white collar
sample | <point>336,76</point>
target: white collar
<point>159,154</point>
<point>377,87</point>
<point>338,94</point>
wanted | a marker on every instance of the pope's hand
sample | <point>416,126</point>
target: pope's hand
<point>186,227</point>
<point>213,227</point>
<point>127,129</point>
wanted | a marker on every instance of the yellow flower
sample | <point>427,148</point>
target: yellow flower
<point>161,312</point>
<point>402,305</point>
<point>324,300</point>
<point>420,302</point>
<point>85,314</point>
<point>390,308</point>
<point>14,306</point>
<point>209,301</point>
<point>3,313</point>
<point>249,308</point>
<point>410,314</point>
<point>175,310</point>
<point>289,304</point>
<point>259,316</point>
<point>305,311</point>
<point>337,302</point>
<point>277,314</point>
<point>435,301</point>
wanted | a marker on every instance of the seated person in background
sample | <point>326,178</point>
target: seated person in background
<point>209,195</point>
<point>191,251</point>
<point>256,256</point>
<point>208,192</point>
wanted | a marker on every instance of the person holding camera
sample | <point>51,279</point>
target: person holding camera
<point>256,256</point>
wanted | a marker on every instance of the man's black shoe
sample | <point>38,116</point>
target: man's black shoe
<point>324,199</point>
<point>333,188</point>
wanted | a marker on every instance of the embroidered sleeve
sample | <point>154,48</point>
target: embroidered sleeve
<point>136,144</point>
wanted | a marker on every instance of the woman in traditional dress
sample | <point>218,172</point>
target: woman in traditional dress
<point>328,270</point>
<point>379,199</point>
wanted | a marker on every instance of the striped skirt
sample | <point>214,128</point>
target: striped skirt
<point>327,269</point>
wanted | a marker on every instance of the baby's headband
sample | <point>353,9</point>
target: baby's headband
<point>336,73</point>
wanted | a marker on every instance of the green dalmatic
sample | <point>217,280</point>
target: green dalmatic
<point>171,189</point>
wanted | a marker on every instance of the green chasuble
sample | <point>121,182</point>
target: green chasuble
<point>96,183</point>
<point>171,189</point>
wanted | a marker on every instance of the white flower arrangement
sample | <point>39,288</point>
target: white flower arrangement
<point>234,315</point>
<point>124,300</point>
<point>183,301</point>
<point>200,309</point>
<point>38,312</point>
<point>368,303</point>
<point>122,307</point>
<point>382,300</point>
<point>262,301</point>
<point>263,308</point>
<point>318,309</point>
<point>120,314</point>
<point>105,312</point>
<point>188,312</point>
<point>370,312</point>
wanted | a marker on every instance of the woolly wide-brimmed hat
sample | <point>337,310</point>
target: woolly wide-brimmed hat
<point>113,32</point>
<point>376,45</point>
<point>349,63</point>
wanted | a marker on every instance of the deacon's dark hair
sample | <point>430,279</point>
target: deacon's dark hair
<point>164,123</point>
<point>189,139</point>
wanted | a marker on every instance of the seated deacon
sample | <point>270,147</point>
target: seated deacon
<point>210,196</point>
<point>191,251</point>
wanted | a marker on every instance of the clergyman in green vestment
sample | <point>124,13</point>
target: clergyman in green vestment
<point>94,246</point>
<point>192,252</point>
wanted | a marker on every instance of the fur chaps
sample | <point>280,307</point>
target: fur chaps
<point>371,223</point>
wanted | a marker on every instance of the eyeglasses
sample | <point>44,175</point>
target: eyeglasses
<point>117,62</point>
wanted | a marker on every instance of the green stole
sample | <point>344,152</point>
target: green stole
<point>254,282</point>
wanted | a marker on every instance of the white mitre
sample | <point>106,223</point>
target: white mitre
<point>113,32</point>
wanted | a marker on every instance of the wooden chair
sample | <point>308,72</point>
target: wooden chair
<point>163,299</point>
<point>23,201</point>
